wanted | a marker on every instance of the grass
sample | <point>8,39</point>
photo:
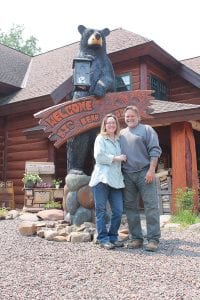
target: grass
<point>185,218</point>
<point>184,201</point>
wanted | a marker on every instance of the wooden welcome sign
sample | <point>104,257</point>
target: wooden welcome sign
<point>71,118</point>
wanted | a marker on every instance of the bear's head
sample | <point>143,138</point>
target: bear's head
<point>92,38</point>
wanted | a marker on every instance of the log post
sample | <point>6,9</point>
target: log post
<point>184,161</point>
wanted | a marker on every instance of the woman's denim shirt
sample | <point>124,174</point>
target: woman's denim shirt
<point>105,170</point>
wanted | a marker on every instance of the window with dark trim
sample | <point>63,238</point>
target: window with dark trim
<point>159,87</point>
<point>123,82</point>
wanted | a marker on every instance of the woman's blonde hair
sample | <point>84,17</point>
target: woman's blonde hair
<point>103,125</point>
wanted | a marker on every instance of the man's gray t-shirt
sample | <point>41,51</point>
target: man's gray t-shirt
<point>139,144</point>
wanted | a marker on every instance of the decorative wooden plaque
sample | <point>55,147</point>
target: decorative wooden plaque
<point>71,118</point>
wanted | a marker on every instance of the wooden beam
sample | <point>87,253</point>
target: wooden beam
<point>184,162</point>
<point>143,76</point>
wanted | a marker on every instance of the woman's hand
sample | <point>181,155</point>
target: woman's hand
<point>120,158</point>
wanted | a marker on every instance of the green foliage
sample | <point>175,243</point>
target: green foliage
<point>184,201</point>
<point>35,178</point>
<point>14,39</point>
<point>3,212</point>
<point>184,198</point>
<point>185,217</point>
<point>52,204</point>
<point>57,182</point>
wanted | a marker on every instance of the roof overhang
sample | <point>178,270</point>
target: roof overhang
<point>34,104</point>
<point>152,49</point>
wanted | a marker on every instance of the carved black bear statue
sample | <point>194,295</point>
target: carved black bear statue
<point>102,78</point>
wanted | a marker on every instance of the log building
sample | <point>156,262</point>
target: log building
<point>30,84</point>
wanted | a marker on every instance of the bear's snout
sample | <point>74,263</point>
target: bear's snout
<point>97,35</point>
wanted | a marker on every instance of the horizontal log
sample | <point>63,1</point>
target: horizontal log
<point>21,140</point>
<point>183,89</point>
<point>15,174</point>
<point>185,96</point>
<point>25,141</point>
<point>127,66</point>
<point>16,165</point>
<point>17,133</point>
<point>29,155</point>
<point>18,123</point>
<point>39,145</point>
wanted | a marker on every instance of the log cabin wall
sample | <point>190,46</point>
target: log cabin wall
<point>131,66</point>
<point>183,91</point>
<point>20,149</point>
<point>2,146</point>
<point>156,69</point>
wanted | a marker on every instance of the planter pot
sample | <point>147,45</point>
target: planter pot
<point>57,186</point>
<point>29,184</point>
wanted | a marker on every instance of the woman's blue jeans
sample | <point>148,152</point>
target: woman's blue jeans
<point>104,194</point>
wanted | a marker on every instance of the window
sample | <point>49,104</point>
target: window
<point>123,82</point>
<point>160,88</point>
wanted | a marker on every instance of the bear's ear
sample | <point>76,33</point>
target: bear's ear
<point>81,28</point>
<point>105,31</point>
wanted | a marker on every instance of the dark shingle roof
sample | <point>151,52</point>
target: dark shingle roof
<point>43,74</point>
<point>49,70</point>
<point>13,66</point>
<point>120,39</point>
<point>193,63</point>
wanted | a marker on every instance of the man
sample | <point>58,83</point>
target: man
<point>140,144</point>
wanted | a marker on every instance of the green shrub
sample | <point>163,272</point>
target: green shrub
<point>184,201</point>
<point>52,204</point>
<point>184,198</point>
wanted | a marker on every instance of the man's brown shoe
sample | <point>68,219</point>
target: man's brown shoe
<point>152,246</point>
<point>135,244</point>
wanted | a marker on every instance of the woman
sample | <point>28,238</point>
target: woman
<point>107,182</point>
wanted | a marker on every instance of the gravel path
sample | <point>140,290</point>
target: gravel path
<point>34,268</point>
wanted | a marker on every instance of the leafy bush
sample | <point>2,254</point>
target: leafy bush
<point>3,212</point>
<point>184,201</point>
<point>184,198</point>
<point>52,204</point>
<point>35,178</point>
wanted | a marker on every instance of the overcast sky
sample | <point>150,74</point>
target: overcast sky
<point>174,24</point>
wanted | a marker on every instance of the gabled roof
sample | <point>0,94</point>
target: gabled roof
<point>193,63</point>
<point>14,66</point>
<point>50,73</point>
<point>49,70</point>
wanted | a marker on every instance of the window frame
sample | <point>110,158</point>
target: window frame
<point>158,93</point>
<point>128,74</point>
